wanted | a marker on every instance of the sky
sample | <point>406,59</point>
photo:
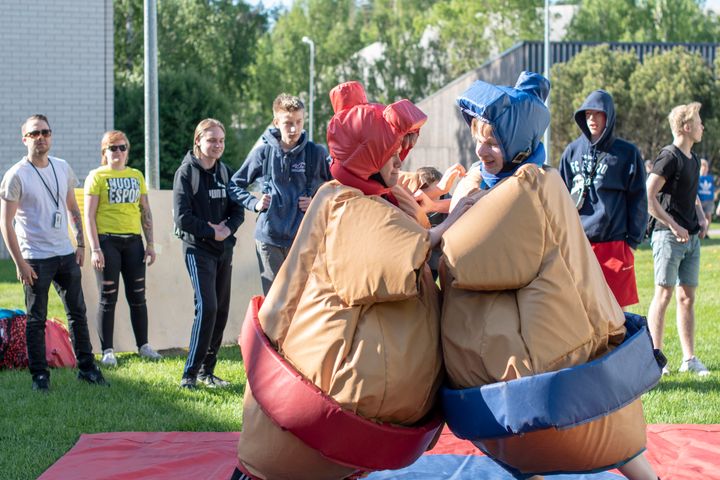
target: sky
<point>285,3</point>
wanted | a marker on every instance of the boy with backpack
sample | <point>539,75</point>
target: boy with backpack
<point>292,168</point>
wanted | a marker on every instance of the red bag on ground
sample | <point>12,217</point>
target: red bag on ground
<point>58,349</point>
<point>13,351</point>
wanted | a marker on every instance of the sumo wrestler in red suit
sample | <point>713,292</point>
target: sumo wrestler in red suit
<point>343,355</point>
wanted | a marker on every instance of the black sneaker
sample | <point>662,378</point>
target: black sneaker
<point>41,383</point>
<point>93,376</point>
<point>189,383</point>
<point>213,382</point>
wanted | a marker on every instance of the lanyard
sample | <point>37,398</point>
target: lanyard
<point>57,184</point>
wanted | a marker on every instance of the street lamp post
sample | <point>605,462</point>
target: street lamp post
<point>547,74</point>
<point>312,81</point>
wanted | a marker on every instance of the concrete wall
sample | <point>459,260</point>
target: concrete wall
<point>169,294</point>
<point>57,59</point>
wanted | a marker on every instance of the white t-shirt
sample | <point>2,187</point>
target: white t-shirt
<point>37,203</point>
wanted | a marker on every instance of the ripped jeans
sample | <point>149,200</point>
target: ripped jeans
<point>124,254</point>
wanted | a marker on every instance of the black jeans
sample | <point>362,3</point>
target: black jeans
<point>123,254</point>
<point>65,274</point>
<point>210,277</point>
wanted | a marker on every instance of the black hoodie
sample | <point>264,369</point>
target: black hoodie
<point>615,207</point>
<point>210,203</point>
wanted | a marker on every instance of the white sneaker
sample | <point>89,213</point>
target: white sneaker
<point>665,371</point>
<point>694,365</point>
<point>108,358</point>
<point>148,352</point>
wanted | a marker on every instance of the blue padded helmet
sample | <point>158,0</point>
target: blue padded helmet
<point>517,114</point>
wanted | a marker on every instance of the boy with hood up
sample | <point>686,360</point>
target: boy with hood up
<point>606,177</point>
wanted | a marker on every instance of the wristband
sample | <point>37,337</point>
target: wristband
<point>97,250</point>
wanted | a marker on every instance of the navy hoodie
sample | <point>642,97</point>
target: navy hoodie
<point>286,183</point>
<point>192,212</point>
<point>615,206</point>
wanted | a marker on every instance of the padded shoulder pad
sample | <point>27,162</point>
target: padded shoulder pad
<point>373,250</point>
<point>498,244</point>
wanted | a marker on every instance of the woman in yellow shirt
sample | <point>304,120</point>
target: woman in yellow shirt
<point>117,211</point>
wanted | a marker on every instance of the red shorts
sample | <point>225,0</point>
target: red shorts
<point>618,265</point>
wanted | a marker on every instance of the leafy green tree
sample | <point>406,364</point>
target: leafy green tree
<point>470,32</point>
<point>643,21</point>
<point>663,81</point>
<point>592,69</point>
<point>282,62</point>
<point>187,98</point>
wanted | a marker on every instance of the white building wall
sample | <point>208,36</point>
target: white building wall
<point>56,58</point>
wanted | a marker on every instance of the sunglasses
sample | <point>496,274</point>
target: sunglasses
<point>36,133</point>
<point>115,148</point>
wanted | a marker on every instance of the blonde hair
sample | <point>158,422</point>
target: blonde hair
<point>110,138</point>
<point>287,103</point>
<point>201,128</point>
<point>681,116</point>
<point>478,127</point>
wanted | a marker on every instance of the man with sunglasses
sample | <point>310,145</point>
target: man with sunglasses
<point>37,200</point>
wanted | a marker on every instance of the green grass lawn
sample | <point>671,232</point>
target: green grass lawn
<point>36,430</point>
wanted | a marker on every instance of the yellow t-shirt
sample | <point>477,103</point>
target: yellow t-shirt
<point>119,198</point>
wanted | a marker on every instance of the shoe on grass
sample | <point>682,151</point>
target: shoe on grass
<point>189,383</point>
<point>93,376</point>
<point>108,358</point>
<point>213,382</point>
<point>665,371</point>
<point>694,365</point>
<point>41,383</point>
<point>148,352</point>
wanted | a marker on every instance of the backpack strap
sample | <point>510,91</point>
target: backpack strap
<point>672,149</point>
<point>194,180</point>
<point>309,167</point>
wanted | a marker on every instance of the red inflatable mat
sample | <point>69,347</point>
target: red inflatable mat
<point>678,452</point>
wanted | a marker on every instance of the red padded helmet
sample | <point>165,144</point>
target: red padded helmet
<point>363,136</point>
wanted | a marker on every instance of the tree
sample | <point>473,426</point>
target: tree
<point>592,69</point>
<point>643,93</point>
<point>187,98</point>
<point>643,21</point>
<point>663,81</point>
<point>471,32</point>
<point>282,62</point>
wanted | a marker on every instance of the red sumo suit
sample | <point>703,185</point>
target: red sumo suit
<point>343,356</point>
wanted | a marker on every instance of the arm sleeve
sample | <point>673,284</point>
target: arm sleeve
<point>637,204</point>
<point>564,168</point>
<point>182,208</point>
<point>143,184</point>
<point>235,211</point>
<point>250,170</point>
<point>11,188</point>
<point>325,160</point>
<point>665,166</point>
<point>91,186</point>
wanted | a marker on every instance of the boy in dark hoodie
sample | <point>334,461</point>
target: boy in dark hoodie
<point>292,168</point>
<point>206,220</point>
<point>606,177</point>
